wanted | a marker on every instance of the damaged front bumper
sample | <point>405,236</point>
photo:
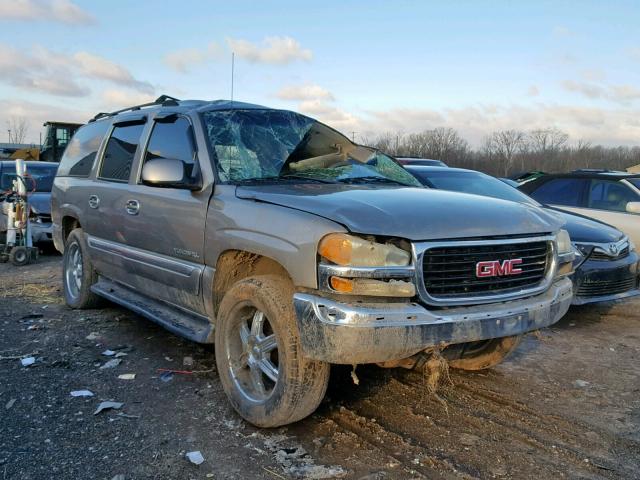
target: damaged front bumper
<point>354,333</point>
<point>603,281</point>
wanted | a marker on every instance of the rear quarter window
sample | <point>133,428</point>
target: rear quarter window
<point>80,154</point>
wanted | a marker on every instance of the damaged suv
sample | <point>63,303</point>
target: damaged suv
<point>290,247</point>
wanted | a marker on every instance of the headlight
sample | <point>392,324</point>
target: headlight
<point>563,241</point>
<point>632,246</point>
<point>349,250</point>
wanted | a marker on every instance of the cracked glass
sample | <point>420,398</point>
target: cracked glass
<point>258,145</point>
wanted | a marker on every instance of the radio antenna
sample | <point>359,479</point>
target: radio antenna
<point>232,68</point>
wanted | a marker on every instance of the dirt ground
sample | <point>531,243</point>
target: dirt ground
<point>566,405</point>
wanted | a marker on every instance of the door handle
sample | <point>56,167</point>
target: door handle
<point>94,201</point>
<point>132,207</point>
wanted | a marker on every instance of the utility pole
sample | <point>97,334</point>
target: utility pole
<point>353,137</point>
<point>9,130</point>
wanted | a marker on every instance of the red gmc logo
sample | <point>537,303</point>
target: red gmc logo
<point>496,268</point>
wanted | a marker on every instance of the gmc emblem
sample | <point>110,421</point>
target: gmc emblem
<point>496,268</point>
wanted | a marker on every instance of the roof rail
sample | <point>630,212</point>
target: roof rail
<point>592,170</point>
<point>164,100</point>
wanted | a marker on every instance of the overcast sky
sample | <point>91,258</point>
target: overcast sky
<point>365,67</point>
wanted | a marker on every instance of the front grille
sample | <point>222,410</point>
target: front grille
<point>450,272</point>
<point>607,287</point>
<point>601,256</point>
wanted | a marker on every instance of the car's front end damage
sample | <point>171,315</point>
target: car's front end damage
<point>377,314</point>
<point>605,271</point>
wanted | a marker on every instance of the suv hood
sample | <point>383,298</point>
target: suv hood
<point>587,230</point>
<point>411,213</point>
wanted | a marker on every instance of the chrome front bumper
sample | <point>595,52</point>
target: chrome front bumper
<point>354,333</point>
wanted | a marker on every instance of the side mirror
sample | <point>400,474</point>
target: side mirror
<point>633,207</point>
<point>168,173</point>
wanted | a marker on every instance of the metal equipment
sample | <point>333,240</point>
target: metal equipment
<point>18,249</point>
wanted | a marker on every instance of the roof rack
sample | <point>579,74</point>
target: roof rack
<point>164,100</point>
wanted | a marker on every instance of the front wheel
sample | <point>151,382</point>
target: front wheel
<point>481,355</point>
<point>258,354</point>
<point>78,274</point>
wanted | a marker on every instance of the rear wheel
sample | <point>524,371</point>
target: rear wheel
<point>481,355</point>
<point>78,274</point>
<point>259,357</point>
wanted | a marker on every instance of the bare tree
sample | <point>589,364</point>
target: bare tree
<point>505,145</point>
<point>18,128</point>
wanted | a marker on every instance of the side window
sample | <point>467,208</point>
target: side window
<point>610,195</point>
<point>561,191</point>
<point>119,152</point>
<point>173,140</point>
<point>80,154</point>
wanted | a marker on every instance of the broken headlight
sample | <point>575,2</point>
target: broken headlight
<point>357,266</point>
<point>349,250</point>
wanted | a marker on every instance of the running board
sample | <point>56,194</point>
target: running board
<point>191,326</point>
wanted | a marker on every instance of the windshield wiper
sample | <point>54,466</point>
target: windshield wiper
<point>372,179</point>
<point>278,178</point>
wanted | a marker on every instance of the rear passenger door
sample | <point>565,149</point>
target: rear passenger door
<point>164,227</point>
<point>106,199</point>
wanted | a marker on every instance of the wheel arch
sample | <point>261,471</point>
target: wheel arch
<point>235,265</point>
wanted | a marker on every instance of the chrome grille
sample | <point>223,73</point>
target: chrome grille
<point>449,272</point>
<point>604,257</point>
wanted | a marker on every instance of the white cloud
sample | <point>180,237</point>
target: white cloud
<point>114,99</point>
<point>40,71</point>
<point>46,71</point>
<point>613,126</point>
<point>183,60</point>
<point>622,94</point>
<point>533,91</point>
<point>98,67</point>
<point>37,113</point>
<point>308,91</point>
<point>272,50</point>
<point>331,115</point>
<point>64,11</point>
<point>586,89</point>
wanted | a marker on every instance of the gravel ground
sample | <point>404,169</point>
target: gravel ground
<point>566,405</point>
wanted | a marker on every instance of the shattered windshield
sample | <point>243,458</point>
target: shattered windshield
<point>254,146</point>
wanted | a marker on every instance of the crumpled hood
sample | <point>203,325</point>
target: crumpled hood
<point>587,230</point>
<point>411,213</point>
<point>40,202</point>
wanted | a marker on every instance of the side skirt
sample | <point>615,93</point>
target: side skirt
<point>185,324</point>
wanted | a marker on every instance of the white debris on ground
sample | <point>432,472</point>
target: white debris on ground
<point>195,457</point>
<point>108,406</point>
<point>295,460</point>
<point>26,362</point>
<point>127,376</point>
<point>111,364</point>
<point>82,393</point>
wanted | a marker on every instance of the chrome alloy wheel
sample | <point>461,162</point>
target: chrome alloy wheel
<point>252,351</point>
<point>73,270</point>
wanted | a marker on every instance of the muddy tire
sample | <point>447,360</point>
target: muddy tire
<point>78,274</point>
<point>258,354</point>
<point>481,355</point>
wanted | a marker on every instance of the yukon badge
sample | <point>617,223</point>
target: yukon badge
<point>496,268</point>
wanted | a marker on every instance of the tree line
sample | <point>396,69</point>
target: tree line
<point>507,152</point>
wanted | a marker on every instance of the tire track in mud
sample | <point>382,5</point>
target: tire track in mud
<point>412,458</point>
<point>555,444</point>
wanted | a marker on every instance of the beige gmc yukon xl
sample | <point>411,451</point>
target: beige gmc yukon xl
<point>292,248</point>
